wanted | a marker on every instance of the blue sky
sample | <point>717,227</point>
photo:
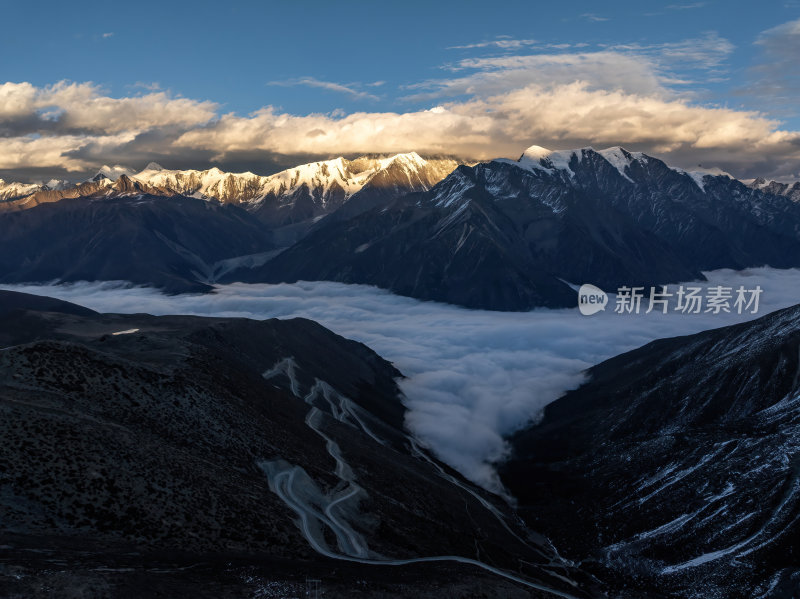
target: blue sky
<point>374,58</point>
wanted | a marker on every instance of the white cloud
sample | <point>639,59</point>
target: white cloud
<point>593,17</point>
<point>707,52</point>
<point>49,127</point>
<point>69,106</point>
<point>505,43</point>
<point>491,75</point>
<point>83,106</point>
<point>150,86</point>
<point>473,376</point>
<point>342,88</point>
<point>490,106</point>
<point>62,150</point>
<point>566,115</point>
<point>16,100</point>
<point>635,68</point>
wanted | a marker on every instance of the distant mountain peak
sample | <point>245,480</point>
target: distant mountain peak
<point>699,175</point>
<point>111,172</point>
<point>11,190</point>
<point>153,166</point>
<point>790,190</point>
<point>535,153</point>
<point>620,158</point>
<point>409,158</point>
<point>539,159</point>
<point>57,184</point>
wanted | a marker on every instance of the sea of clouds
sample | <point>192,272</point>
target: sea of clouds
<point>472,377</point>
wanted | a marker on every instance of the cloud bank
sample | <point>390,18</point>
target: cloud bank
<point>646,97</point>
<point>473,376</point>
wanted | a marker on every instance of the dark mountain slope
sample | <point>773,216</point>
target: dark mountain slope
<point>412,250</point>
<point>144,453</point>
<point>680,461</point>
<point>11,301</point>
<point>170,243</point>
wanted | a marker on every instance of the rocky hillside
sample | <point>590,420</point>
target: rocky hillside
<point>175,245</point>
<point>679,462</point>
<point>251,455</point>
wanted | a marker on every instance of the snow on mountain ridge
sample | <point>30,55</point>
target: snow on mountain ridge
<point>537,158</point>
<point>327,184</point>
<point>12,190</point>
<point>345,176</point>
<point>790,190</point>
<point>699,175</point>
<point>621,159</point>
<point>112,172</point>
<point>206,184</point>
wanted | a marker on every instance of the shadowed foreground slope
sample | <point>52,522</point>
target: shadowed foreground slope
<point>194,457</point>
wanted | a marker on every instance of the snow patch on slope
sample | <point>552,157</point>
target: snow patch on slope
<point>699,175</point>
<point>621,159</point>
<point>539,158</point>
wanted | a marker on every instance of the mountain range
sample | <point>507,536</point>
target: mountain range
<point>180,230</point>
<point>789,190</point>
<point>507,235</point>
<point>278,450</point>
<point>300,193</point>
<point>499,235</point>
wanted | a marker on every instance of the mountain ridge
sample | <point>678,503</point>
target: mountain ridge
<point>506,234</point>
<point>320,182</point>
<point>498,235</point>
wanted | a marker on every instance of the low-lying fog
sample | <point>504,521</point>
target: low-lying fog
<point>473,376</point>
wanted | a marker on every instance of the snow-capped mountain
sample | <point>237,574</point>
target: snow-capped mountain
<point>789,190</point>
<point>131,235</point>
<point>112,173</point>
<point>679,463</point>
<point>13,191</point>
<point>307,192</point>
<point>302,193</point>
<point>99,186</point>
<point>498,235</point>
<point>506,234</point>
<point>228,188</point>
